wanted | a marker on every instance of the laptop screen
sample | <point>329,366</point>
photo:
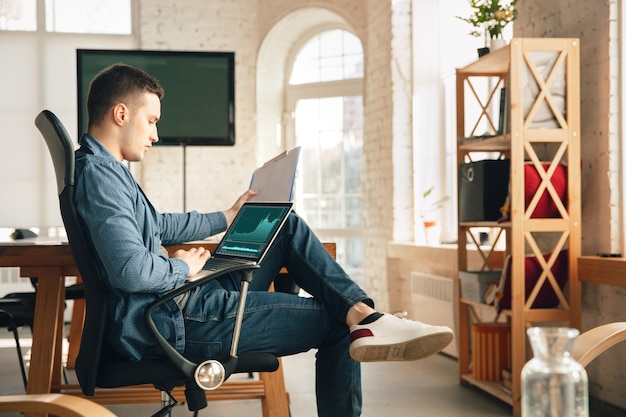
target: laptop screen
<point>253,230</point>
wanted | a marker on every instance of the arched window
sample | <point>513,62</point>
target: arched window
<point>325,104</point>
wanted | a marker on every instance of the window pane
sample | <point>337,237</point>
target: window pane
<point>18,15</point>
<point>309,163</point>
<point>331,43</point>
<point>331,169</point>
<point>330,131</point>
<point>89,16</point>
<point>330,214</point>
<point>353,212</point>
<point>352,174</point>
<point>332,68</point>
<point>330,56</point>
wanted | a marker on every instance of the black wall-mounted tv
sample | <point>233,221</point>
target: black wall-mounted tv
<point>199,103</point>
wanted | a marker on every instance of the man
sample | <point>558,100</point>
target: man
<point>340,321</point>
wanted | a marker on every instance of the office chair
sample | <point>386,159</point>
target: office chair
<point>96,365</point>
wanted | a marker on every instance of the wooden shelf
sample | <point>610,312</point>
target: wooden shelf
<point>483,305</point>
<point>530,224</point>
<point>492,64</point>
<point>487,144</point>
<point>485,224</point>
<point>528,138</point>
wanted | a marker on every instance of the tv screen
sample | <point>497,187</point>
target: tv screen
<point>199,103</point>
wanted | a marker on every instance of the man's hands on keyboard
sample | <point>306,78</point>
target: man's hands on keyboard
<point>195,258</point>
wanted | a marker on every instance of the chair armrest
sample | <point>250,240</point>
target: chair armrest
<point>186,366</point>
<point>190,285</point>
<point>593,342</point>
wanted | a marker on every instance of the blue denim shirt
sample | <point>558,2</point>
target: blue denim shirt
<point>127,233</point>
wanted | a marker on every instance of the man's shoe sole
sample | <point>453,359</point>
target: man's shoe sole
<point>362,351</point>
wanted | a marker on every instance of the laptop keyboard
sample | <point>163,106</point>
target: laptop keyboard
<point>215,264</point>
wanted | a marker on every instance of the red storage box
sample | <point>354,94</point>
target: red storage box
<point>546,207</point>
<point>546,298</point>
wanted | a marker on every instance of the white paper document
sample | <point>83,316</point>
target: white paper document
<point>274,180</point>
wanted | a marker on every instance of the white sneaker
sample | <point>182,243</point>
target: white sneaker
<point>391,338</point>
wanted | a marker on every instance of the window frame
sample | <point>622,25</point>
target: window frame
<point>41,20</point>
<point>44,66</point>
<point>318,90</point>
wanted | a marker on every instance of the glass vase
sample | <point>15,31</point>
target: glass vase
<point>553,383</point>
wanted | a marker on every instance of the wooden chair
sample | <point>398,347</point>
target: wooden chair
<point>594,341</point>
<point>54,404</point>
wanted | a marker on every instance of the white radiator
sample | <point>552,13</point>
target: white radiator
<point>433,302</point>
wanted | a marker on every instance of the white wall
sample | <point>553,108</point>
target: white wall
<point>440,45</point>
<point>38,72</point>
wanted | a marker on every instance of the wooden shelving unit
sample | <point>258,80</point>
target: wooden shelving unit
<point>531,85</point>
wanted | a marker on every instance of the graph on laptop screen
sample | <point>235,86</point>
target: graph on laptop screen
<point>252,231</point>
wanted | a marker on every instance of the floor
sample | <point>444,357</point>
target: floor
<point>428,387</point>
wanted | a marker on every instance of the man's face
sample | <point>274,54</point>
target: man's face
<point>140,132</point>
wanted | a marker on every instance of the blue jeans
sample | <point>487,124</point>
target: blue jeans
<point>286,324</point>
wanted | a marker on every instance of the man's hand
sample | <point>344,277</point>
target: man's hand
<point>232,212</point>
<point>194,257</point>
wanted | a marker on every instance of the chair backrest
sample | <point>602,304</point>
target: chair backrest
<point>62,152</point>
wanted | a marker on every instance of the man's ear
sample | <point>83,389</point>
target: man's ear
<point>120,114</point>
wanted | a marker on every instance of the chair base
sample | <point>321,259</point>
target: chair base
<point>143,394</point>
<point>275,402</point>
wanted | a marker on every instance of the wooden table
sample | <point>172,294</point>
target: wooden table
<point>51,261</point>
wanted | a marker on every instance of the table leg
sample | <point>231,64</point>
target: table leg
<point>47,331</point>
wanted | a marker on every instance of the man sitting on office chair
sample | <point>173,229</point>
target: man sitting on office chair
<point>340,320</point>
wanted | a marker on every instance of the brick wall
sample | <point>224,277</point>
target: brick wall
<point>215,176</point>
<point>377,146</point>
<point>588,21</point>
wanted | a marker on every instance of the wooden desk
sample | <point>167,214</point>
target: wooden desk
<point>51,261</point>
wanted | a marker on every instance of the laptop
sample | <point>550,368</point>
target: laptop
<point>249,236</point>
<point>274,180</point>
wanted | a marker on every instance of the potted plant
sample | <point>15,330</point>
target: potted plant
<point>431,229</point>
<point>490,17</point>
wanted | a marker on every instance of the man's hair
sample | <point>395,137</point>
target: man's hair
<point>118,83</point>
